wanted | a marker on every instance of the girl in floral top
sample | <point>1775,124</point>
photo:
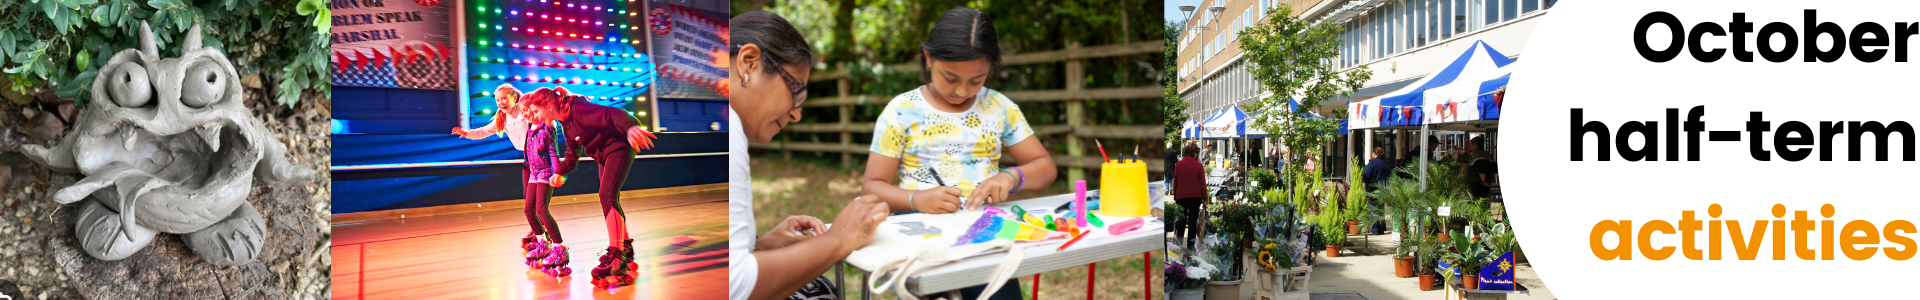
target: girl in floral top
<point>937,149</point>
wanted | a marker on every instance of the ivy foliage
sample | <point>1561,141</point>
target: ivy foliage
<point>53,45</point>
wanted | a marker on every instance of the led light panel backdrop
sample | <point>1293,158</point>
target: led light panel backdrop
<point>594,48</point>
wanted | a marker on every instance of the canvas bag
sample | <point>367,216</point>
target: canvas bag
<point>892,270</point>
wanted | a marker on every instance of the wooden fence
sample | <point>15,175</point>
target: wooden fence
<point>1075,95</point>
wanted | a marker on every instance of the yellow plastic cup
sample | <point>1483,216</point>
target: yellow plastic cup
<point>1123,189</point>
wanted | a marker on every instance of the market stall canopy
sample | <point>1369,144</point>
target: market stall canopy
<point>1225,124</point>
<point>1459,94</point>
<point>1190,130</point>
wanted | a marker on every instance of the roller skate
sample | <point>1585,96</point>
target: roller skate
<point>538,252</point>
<point>616,267</point>
<point>555,264</point>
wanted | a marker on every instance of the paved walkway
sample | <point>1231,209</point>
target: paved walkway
<point>1365,267</point>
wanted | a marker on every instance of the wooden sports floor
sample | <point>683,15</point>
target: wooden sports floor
<point>681,241</point>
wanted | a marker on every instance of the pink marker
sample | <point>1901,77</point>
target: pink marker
<point>1124,227</point>
<point>1080,203</point>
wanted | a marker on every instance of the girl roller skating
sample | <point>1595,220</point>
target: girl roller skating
<point>610,136</point>
<point>542,247</point>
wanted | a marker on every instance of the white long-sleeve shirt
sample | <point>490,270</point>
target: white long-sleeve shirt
<point>742,269</point>
<point>516,131</point>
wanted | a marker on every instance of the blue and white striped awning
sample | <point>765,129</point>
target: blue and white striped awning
<point>1460,92</point>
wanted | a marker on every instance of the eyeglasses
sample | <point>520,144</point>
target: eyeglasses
<point>799,88</point>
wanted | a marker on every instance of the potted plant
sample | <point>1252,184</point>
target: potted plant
<point>1359,212</point>
<point>1403,260</point>
<point>1428,254</point>
<point>1225,282</point>
<point>1185,275</point>
<point>1330,232</point>
<point>1280,253</point>
<point>1281,238</point>
<point>1231,220</point>
<point>1465,262</point>
<point>1263,178</point>
<point>1397,198</point>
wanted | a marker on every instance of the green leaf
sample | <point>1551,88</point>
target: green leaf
<point>50,7</point>
<point>6,46</point>
<point>307,7</point>
<point>100,14</point>
<point>323,21</point>
<point>289,89</point>
<point>78,87</point>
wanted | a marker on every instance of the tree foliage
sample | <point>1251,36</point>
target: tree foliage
<point>1294,58</point>
<point>53,45</point>
<point>1173,108</point>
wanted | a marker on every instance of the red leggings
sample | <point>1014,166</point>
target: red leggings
<point>538,196</point>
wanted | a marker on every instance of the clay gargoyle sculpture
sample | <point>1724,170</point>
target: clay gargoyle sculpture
<point>168,146</point>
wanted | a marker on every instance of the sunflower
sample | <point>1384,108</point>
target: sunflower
<point>1265,257</point>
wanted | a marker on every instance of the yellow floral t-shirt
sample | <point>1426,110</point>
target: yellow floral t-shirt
<point>962,148</point>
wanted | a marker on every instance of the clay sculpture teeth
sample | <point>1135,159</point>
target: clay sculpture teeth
<point>210,134</point>
<point>129,138</point>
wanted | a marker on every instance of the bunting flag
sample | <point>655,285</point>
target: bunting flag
<point>379,58</point>
<point>443,49</point>
<point>364,31</point>
<point>340,60</point>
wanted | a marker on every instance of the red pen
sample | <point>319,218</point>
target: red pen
<point>1103,151</point>
<point>1075,239</point>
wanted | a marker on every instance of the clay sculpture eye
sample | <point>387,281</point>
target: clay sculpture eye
<point>204,84</point>
<point>129,86</point>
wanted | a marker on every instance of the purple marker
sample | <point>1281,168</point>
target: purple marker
<point>1080,203</point>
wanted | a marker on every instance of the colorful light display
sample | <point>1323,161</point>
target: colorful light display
<point>593,48</point>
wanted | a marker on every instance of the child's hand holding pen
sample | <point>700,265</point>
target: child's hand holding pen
<point>937,200</point>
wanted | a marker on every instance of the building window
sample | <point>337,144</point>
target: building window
<point>1509,9</point>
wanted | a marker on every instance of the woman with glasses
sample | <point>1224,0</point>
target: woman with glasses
<point>937,148</point>
<point>769,62</point>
